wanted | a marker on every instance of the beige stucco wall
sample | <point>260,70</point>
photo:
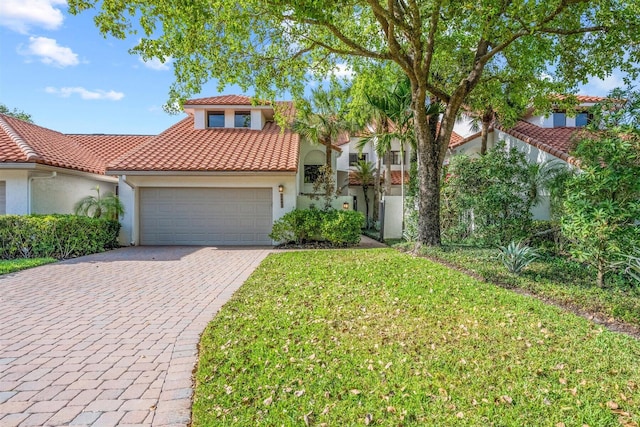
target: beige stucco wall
<point>129,196</point>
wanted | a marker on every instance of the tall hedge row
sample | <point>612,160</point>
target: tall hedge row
<point>56,236</point>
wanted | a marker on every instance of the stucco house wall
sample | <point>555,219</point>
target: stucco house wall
<point>46,191</point>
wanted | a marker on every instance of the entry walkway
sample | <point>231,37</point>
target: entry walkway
<point>111,339</point>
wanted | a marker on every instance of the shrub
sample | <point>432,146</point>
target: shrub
<point>516,256</point>
<point>303,225</point>
<point>56,236</point>
<point>342,227</point>
<point>487,200</point>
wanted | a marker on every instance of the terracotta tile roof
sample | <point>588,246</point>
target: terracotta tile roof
<point>583,98</point>
<point>457,142</point>
<point>222,100</point>
<point>555,141</point>
<point>21,141</point>
<point>456,139</point>
<point>183,148</point>
<point>396,178</point>
<point>109,147</point>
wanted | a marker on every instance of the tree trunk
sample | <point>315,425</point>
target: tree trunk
<point>600,277</point>
<point>429,166</point>
<point>376,191</point>
<point>484,133</point>
<point>365,190</point>
<point>328,153</point>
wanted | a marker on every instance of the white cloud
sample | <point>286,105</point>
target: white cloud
<point>608,83</point>
<point>343,71</point>
<point>156,64</point>
<point>50,52</point>
<point>97,94</point>
<point>20,15</point>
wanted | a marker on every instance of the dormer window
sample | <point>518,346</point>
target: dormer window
<point>242,119</point>
<point>559,119</point>
<point>215,119</point>
<point>582,119</point>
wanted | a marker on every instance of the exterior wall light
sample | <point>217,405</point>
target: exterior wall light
<point>345,205</point>
<point>281,191</point>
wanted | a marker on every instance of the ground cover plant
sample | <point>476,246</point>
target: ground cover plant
<point>561,280</point>
<point>11,265</point>
<point>377,337</point>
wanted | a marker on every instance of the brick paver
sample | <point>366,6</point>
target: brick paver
<point>111,338</point>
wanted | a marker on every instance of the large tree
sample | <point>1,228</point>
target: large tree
<point>447,49</point>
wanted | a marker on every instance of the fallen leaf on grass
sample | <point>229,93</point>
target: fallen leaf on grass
<point>612,405</point>
<point>367,419</point>
<point>267,401</point>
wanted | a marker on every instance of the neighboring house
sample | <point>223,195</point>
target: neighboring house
<point>542,138</point>
<point>44,171</point>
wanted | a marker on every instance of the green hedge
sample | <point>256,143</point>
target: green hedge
<point>56,236</point>
<point>304,225</point>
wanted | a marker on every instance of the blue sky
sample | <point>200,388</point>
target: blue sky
<point>59,69</point>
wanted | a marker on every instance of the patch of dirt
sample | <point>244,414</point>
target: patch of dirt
<point>598,318</point>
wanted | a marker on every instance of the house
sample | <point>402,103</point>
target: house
<point>542,138</point>
<point>227,171</point>
<point>220,176</point>
<point>44,171</point>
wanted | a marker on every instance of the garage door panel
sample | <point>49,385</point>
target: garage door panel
<point>205,216</point>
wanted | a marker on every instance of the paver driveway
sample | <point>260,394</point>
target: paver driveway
<point>111,339</point>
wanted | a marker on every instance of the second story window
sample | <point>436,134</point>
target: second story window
<point>559,119</point>
<point>582,119</point>
<point>395,157</point>
<point>354,158</point>
<point>242,119</point>
<point>215,119</point>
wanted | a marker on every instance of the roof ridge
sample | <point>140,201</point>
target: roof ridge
<point>18,140</point>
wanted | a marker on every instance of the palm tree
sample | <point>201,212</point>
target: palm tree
<point>393,118</point>
<point>106,206</point>
<point>365,174</point>
<point>324,119</point>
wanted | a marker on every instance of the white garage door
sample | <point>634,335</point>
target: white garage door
<point>205,216</point>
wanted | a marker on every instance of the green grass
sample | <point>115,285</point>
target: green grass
<point>11,265</point>
<point>377,337</point>
<point>566,282</point>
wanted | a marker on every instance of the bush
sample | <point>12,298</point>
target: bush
<point>342,227</point>
<point>304,225</point>
<point>55,236</point>
<point>487,200</point>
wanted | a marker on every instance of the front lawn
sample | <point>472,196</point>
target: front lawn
<point>11,265</point>
<point>377,337</point>
<point>566,282</point>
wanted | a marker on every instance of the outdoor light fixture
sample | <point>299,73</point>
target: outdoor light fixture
<point>281,191</point>
<point>345,205</point>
